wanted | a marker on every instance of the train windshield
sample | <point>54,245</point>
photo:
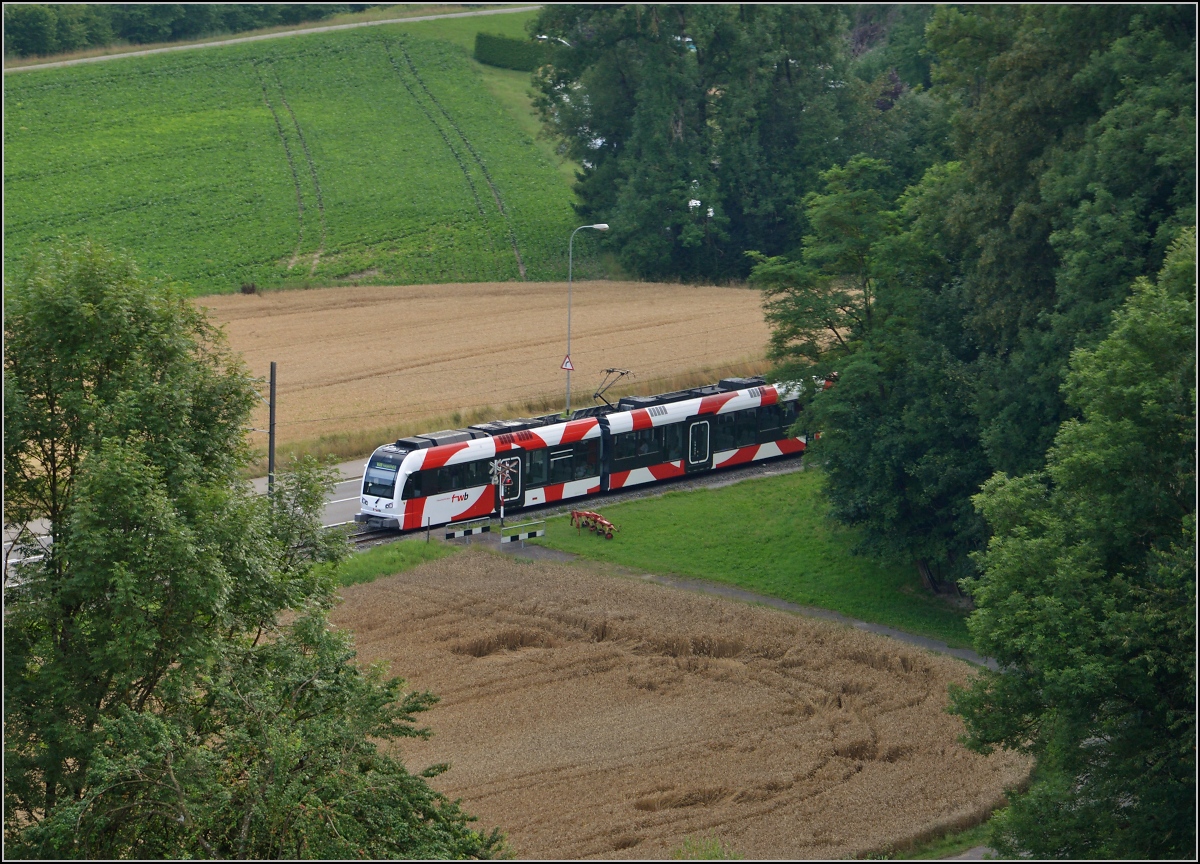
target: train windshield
<point>380,479</point>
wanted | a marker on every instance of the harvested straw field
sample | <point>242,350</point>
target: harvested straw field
<point>357,358</point>
<point>589,714</point>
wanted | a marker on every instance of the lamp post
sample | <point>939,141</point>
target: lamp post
<point>600,226</point>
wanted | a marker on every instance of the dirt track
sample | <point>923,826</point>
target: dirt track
<point>358,358</point>
<point>589,715</point>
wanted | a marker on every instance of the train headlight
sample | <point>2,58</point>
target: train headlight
<point>364,501</point>
<point>387,506</point>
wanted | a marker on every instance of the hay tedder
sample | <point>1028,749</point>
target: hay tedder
<point>594,522</point>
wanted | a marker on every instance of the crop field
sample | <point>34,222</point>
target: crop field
<point>588,714</point>
<point>368,358</point>
<point>368,155</point>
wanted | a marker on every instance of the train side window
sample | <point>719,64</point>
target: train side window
<point>475,474</point>
<point>724,436</point>
<point>624,445</point>
<point>412,487</point>
<point>647,442</point>
<point>560,465</point>
<point>672,442</point>
<point>587,459</point>
<point>539,468</point>
<point>747,427</point>
<point>768,420</point>
<point>789,410</point>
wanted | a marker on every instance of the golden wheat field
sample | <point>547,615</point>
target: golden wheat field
<point>368,358</point>
<point>593,715</point>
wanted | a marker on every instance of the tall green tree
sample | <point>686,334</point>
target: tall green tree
<point>1075,127</point>
<point>143,645</point>
<point>899,442</point>
<point>1073,167</point>
<point>1087,597</point>
<point>822,306</point>
<point>734,108</point>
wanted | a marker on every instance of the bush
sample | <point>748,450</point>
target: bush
<point>509,53</point>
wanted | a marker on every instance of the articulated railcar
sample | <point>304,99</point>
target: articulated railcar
<point>446,476</point>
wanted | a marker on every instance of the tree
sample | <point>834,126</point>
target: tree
<point>1087,597</point>
<point>144,650</point>
<point>30,28</point>
<point>899,442</point>
<point>1075,127</point>
<point>820,308</point>
<point>734,108</point>
<point>1072,170</point>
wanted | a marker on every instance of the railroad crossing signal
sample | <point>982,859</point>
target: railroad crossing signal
<point>501,471</point>
<point>567,364</point>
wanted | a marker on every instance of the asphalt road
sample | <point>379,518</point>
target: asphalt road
<point>343,502</point>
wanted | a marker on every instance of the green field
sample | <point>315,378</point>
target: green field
<point>771,536</point>
<point>379,154</point>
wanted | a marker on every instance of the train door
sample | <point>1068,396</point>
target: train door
<point>699,453</point>
<point>511,490</point>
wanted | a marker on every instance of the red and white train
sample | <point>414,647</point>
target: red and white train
<point>447,476</point>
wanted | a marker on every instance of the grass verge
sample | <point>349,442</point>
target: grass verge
<point>388,560</point>
<point>944,847</point>
<point>771,536</point>
<point>704,849</point>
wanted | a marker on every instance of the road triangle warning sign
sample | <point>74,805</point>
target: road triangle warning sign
<point>567,364</point>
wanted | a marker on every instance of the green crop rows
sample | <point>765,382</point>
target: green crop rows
<point>370,154</point>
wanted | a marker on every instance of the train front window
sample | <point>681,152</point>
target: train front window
<point>380,480</point>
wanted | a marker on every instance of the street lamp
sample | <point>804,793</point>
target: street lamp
<point>601,226</point>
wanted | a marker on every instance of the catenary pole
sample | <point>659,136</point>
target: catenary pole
<point>570,279</point>
<point>271,438</point>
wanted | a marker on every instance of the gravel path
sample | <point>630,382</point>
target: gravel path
<point>300,32</point>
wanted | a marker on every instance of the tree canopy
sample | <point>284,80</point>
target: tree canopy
<point>156,705</point>
<point>1086,597</point>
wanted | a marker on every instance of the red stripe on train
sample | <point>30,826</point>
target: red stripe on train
<point>641,419</point>
<point>436,457</point>
<point>483,507</point>
<point>616,480</point>
<point>667,470</point>
<point>577,430</point>
<point>519,441</point>
<point>713,404</point>
<point>741,456</point>
<point>414,509</point>
<point>769,395</point>
<point>790,445</point>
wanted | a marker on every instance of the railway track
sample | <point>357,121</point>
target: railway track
<point>362,538</point>
<point>727,477</point>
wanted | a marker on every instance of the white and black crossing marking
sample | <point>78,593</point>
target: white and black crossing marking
<point>536,529</point>
<point>453,532</point>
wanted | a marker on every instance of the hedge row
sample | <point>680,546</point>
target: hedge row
<point>509,53</point>
<point>47,28</point>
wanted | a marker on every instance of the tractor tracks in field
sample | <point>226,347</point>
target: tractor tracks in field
<point>466,143</point>
<point>296,181</point>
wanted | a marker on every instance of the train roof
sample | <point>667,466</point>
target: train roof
<point>626,403</point>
